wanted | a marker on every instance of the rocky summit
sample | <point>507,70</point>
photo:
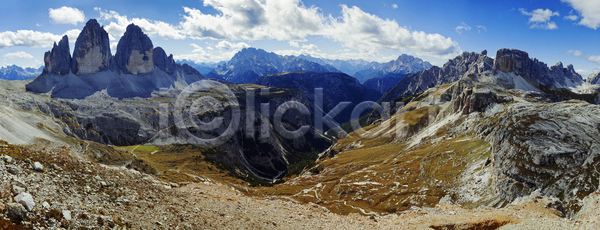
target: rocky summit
<point>92,50</point>
<point>519,62</point>
<point>58,60</point>
<point>134,52</point>
<point>130,73</point>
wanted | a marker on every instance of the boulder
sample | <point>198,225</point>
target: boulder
<point>6,158</point>
<point>16,211</point>
<point>13,169</point>
<point>38,167</point>
<point>26,200</point>
<point>134,52</point>
<point>17,189</point>
<point>58,60</point>
<point>66,215</point>
<point>92,50</point>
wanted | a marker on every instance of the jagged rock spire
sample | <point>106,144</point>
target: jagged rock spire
<point>92,50</point>
<point>134,52</point>
<point>58,60</point>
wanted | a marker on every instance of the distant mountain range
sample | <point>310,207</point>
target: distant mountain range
<point>349,67</point>
<point>404,65</point>
<point>204,68</point>
<point>251,63</point>
<point>14,72</point>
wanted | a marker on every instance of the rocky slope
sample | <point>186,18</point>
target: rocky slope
<point>452,71</point>
<point>404,65</point>
<point>251,63</point>
<point>383,84</point>
<point>506,61</point>
<point>487,140</point>
<point>14,72</point>
<point>337,88</point>
<point>69,192</point>
<point>130,73</point>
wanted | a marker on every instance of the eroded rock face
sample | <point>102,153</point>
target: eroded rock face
<point>164,63</point>
<point>58,60</point>
<point>550,147</point>
<point>92,50</point>
<point>470,101</point>
<point>517,61</point>
<point>134,52</point>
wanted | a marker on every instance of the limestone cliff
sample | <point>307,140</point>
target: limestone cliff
<point>134,52</point>
<point>92,50</point>
<point>58,60</point>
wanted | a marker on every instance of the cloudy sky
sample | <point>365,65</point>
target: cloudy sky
<point>214,30</point>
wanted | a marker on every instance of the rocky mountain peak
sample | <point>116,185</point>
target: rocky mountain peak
<point>58,60</point>
<point>164,63</point>
<point>134,52</point>
<point>250,63</point>
<point>92,50</point>
<point>517,61</point>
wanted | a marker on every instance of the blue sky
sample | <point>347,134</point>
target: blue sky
<point>214,30</point>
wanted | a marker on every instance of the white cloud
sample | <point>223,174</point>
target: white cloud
<point>66,15</point>
<point>27,38</point>
<point>595,59</point>
<point>589,11</point>
<point>463,27</point>
<point>291,20</point>
<point>579,53</point>
<point>38,24</point>
<point>113,46</point>
<point>395,6</point>
<point>204,54</point>
<point>480,28</point>
<point>583,72</point>
<point>18,55</point>
<point>541,18</point>
<point>229,45</point>
<point>310,47</point>
<point>72,34</point>
<point>576,53</point>
<point>253,20</point>
<point>365,32</point>
<point>294,44</point>
<point>117,24</point>
<point>571,17</point>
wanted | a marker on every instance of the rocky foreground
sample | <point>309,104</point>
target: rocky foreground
<point>47,186</point>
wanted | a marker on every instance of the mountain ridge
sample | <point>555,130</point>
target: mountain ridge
<point>92,68</point>
<point>251,63</point>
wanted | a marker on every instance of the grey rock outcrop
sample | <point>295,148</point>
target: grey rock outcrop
<point>58,60</point>
<point>164,63</point>
<point>517,61</point>
<point>16,211</point>
<point>470,101</point>
<point>593,78</point>
<point>26,200</point>
<point>134,52</point>
<point>551,147</point>
<point>92,50</point>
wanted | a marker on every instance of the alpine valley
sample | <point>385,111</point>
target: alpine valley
<point>103,138</point>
